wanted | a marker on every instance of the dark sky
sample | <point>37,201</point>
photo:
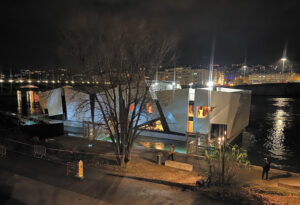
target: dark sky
<point>258,29</point>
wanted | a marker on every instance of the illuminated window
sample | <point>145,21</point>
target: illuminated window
<point>131,107</point>
<point>191,111</point>
<point>154,126</point>
<point>203,111</point>
<point>190,126</point>
<point>149,108</point>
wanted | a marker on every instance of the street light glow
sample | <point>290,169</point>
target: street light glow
<point>210,84</point>
<point>283,59</point>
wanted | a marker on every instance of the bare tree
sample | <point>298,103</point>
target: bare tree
<point>117,53</point>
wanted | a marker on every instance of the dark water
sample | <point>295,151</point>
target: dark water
<point>273,130</point>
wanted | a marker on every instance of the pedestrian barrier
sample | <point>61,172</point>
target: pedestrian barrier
<point>39,151</point>
<point>2,151</point>
<point>72,168</point>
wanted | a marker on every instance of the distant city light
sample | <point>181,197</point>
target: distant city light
<point>29,81</point>
<point>66,81</point>
<point>53,81</point>
<point>1,80</point>
<point>72,81</point>
<point>10,81</point>
<point>38,81</point>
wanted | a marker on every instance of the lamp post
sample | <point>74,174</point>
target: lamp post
<point>283,59</point>
<point>244,68</point>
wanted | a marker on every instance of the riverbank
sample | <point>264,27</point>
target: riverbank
<point>246,188</point>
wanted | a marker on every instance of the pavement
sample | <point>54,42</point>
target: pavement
<point>27,180</point>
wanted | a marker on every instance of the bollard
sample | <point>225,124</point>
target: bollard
<point>158,158</point>
<point>80,170</point>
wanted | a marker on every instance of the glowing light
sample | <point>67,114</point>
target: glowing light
<point>88,82</point>
<point>46,81</point>
<point>38,81</point>
<point>82,82</point>
<point>29,81</point>
<point>1,80</point>
<point>210,84</point>
<point>283,59</point>
<point>53,81</point>
<point>72,82</point>
<point>21,81</point>
<point>97,82</point>
<point>66,81</point>
<point>10,81</point>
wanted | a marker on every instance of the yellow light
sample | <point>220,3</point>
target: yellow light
<point>10,81</point>
<point>66,81</point>
<point>283,59</point>
<point>53,81</point>
<point>1,80</point>
<point>29,81</point>
<point>72,82</point>
<point>21,81</point>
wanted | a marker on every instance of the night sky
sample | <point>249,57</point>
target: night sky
<point>258,29</point>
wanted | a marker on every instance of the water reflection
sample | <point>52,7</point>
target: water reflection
<point>276,134</point>
<point>28,102</point>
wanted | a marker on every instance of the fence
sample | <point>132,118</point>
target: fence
<point>39,151</point>
<point>61,156</point>
<point>2,151</point>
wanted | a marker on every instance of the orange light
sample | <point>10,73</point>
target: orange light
<point>131,107</point>
<point>191,111</point>
<point>149,108</point>
<point>36,98</point>
<point>190,126</point>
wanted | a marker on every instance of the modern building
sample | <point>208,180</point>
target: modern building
<point>170,110</point>
<point>271,78</point>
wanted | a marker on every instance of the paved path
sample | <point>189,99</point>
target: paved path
<point>25,180</point>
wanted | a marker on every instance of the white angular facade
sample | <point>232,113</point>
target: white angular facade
<point>179,110</point>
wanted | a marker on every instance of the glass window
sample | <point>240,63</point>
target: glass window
<point>203,111</point>
<point>191,111</point>
<point>190,126</point>
<point>149,108</point>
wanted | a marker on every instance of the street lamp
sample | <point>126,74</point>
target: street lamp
<point>283,60</point>
<point>244,68</point>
